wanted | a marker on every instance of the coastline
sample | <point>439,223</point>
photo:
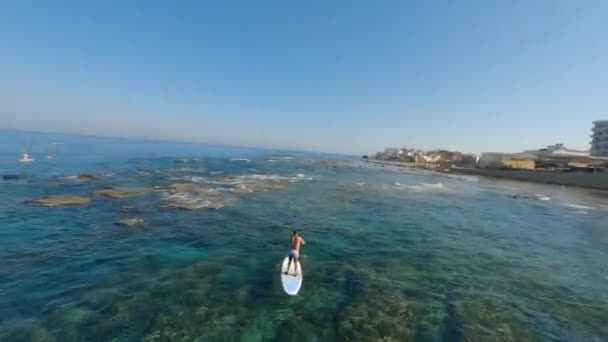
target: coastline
<point>588,180</point>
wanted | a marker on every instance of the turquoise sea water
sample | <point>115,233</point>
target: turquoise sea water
<point>390,255</point>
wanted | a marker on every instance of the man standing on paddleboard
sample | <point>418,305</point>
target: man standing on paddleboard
<point>294,252</point>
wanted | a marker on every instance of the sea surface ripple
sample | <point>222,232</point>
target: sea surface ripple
<point>184,241</point>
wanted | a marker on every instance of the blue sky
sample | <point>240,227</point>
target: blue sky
<point>339,76</point>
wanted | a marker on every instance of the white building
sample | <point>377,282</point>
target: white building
<point>431,158</point>
<point>599,139</point>
<point>557,150</point>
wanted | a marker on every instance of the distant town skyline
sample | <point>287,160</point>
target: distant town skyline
<point>345,76</point>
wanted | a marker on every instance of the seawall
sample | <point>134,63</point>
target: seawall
<point>581,179</point>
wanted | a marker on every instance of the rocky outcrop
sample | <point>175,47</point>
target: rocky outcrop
<point>87,177</point>
<point>257,187</point>
<point>56,201</point>
<point>130,223</point>
<point>119,193</point>
<point>184,187</point>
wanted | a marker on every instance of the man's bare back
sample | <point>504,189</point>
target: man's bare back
<point>294,251</point>
<point>296,242</point>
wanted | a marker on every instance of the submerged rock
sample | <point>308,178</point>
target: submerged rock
<point>11,177</point>
<point>119,193</point>
<point>87,177</point>
<point>184,187</point>
<point>55,201</point>
<point>241,188</point>
<point>74,315</point>
<point>145,170</point>
<point>482,320</point>
<point>376,317</point>
<point>258,187</point>
<point>130,223</point>
<point>539,197</point>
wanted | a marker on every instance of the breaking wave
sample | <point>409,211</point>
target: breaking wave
<point>578,206</point>
<point>422,187</point>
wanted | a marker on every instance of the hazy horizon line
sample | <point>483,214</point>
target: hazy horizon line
<point>161,140</point>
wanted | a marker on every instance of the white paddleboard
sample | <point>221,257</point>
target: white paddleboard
<point>291,283</point>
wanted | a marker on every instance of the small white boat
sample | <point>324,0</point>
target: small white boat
<point>26,158</point>
<point>48,156</point>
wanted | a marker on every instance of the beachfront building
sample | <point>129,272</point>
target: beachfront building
<point>557,150</point>
<point>599,139</point>
<point>491,160</point>
<point>469,159</point>
<point>431,158</point>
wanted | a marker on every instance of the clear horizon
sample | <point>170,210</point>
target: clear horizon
<point>346,77</point>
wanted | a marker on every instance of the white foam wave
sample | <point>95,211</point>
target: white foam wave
<point>190,169</point>
<point>183,199</point>
<point>193,179</point>
<point>279,158</point>
<point>261,178</point>
<point>461,177</point>
<point>422,187</point>
<point>542,197</point>
<point>187,160</point>
<point>578,206</point>
<point>430,186</point>
<point>197,179</point>
<point>274,177</point>
<point>67,177</point>
<point>195,197</point>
